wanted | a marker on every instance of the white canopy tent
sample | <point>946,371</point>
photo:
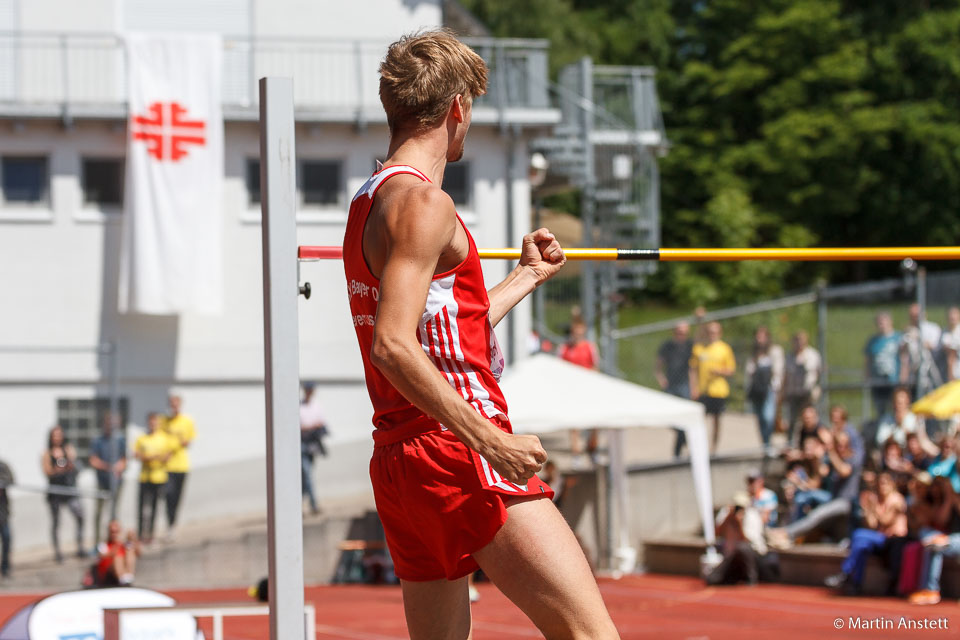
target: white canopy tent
<point>546,394</point>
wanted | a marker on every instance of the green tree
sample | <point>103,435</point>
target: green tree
<point>792,123</point>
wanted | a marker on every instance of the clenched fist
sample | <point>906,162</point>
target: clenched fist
<point>542,253</point>
<point>515,457</point>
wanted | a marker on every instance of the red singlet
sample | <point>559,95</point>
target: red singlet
<point>438,500</point>
<point>454,329</point>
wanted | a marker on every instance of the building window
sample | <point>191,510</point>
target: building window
<point>456,182</point>
<point>320,182</point>
<point>253,180</point>
<point>82,420</point>
<point>103,181</point>
<point>24,180</point>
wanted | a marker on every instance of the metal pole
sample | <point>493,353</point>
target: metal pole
<point>65,81</point>
<point>588,282</point>
<point>281,361</point>
<point>117,424</point>
<point>822,346</point>
<point>922,291</point>
<point>608,321</point>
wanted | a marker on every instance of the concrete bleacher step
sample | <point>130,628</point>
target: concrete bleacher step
<point>806,564</point>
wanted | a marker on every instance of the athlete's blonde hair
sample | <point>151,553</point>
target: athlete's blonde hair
<point>421,75</point>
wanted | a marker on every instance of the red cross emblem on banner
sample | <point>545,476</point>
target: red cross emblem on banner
<point>167,132</point>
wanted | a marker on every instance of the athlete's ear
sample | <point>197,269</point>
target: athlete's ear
<point>458,108</point>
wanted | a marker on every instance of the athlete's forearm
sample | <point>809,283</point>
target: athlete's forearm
<point>409,370</point>
<point>514,288</point>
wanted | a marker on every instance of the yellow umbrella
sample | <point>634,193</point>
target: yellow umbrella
<point>942,402</point>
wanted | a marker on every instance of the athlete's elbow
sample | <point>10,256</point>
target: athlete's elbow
<point>386,352</point>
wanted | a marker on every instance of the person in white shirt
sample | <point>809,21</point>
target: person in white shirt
<point>313,428</point>
<point>902,421</point>
<point>918,352</point>
<point>801,380</point>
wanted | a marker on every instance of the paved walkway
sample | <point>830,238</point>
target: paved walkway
<point>350,497</point>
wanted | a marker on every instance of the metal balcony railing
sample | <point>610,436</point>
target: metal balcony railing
<point>622,103</point>
<point>85,74</point>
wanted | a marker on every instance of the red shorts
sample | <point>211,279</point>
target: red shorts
<point>439,502</point>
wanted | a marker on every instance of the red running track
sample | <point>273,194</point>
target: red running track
<point>647,606</point>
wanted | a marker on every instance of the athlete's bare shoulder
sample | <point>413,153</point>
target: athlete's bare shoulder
<point>407,199</point>
<point>416,217</point>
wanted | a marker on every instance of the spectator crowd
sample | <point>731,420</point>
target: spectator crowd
<point>164,465</point>
<point>890,488</point>
<point>780,383</point>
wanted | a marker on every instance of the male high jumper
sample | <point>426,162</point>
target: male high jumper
<point>454,488</point>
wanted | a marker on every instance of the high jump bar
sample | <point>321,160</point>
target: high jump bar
<point>309,253</point>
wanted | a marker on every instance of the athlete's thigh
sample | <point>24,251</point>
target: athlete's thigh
<point>536,561</point>
<point>437,610</point>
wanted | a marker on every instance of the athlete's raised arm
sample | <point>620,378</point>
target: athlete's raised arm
<point>417,227</point>
<point>540,258</point>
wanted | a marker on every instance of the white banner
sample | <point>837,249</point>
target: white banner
<point>171,255</point>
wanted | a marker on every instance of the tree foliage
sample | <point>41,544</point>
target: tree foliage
<point>792,123</point>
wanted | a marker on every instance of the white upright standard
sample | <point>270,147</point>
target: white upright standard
<point>282,369</point>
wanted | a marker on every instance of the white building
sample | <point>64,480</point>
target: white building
<point>62,144</point>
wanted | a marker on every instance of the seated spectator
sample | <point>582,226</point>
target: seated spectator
<point>808,478</point>
<point>803,453</point>
<point>116,559</point>
<point>945,463</point>
<point>885,516</point>
<point>905,554</point>
<point>843,482</point>
<point>839,421</point>
<point>896,465</point>
<point>940,537</point>
<point>803,482</point>
<point>902,421</point>
<point>762,499</point>
<point>916,455</point>
<point>810,424</point>
<point>740,532</point>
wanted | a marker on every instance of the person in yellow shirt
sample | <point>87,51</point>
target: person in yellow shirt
<point>712,363</point>
<point>181,429</point>
<point>153,450</point>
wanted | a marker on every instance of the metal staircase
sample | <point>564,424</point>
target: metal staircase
<point>606,145</point>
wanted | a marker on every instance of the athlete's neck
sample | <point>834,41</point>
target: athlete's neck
<point>427,151</point>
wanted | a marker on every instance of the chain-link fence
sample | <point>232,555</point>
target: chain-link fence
<point>859,363</point>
